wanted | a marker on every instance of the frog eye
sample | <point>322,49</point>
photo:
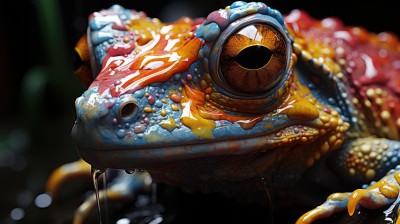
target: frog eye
<point>253,59</point>
<point>248,61</point>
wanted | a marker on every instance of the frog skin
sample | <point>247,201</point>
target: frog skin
<point>240,101</point>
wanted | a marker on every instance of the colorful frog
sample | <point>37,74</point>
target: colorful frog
<point>242,102</point>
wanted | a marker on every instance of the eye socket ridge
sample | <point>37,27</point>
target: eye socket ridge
<point>255,68</point>
<point>253,58</point>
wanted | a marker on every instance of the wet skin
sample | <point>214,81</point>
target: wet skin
<point>243,100</point>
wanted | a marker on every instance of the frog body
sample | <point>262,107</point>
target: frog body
<point>242,101</point>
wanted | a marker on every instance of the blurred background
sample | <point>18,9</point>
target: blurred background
<point>38,86</point>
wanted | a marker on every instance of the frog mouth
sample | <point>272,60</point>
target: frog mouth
<point>155,156</point>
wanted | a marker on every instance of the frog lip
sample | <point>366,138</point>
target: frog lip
<point>131,158</point>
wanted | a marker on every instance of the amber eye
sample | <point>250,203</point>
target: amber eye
<point>253,59</point>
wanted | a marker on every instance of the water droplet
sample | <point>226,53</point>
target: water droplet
<point>158,103</point>
<point>123,221</point>
<point>114,121</point>
<point>17,214</point>
<point>95,176</point>
<point>130,171</point>
<point>177,76</point>
<point>139,128</point>
<point>139,94</point>
<point>157,220</point>
<point>43,200</point>
<point>121,133</point>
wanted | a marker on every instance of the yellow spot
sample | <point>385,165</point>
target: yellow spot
<point>367,103</point>
<point>297,48</point>
<point>190,114</point>
<point>370,173</point>
<point>174,107</point>
<point>385,146</point>
<point>148,109</point>
<point>366,148</point>
<point>337,144</point>
<point>306,55</point>
<point>325,147</point>
<point>370,93</point>
<point>340,75</point>
<point>385,115</point>
<point>324,119</point>
<point>389,190</point>
<point>373,155</point>
<point>203,85</point>
<point>379,101</point>
<point>284,140</point>
<point>126,39</point>
<point>333,122</point>
<point>338,196</point>
<point>301,109</point>
<point>168,124</point>
<point>332,139</point>
<point>163,113</point>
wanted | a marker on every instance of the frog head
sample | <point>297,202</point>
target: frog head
<point>222,97</point>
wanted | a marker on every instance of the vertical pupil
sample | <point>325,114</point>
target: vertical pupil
<point>254,57</point>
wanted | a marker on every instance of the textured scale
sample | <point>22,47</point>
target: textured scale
<point>369,61</point>
<point>242,101</point>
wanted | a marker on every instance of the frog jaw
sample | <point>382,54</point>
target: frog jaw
<point>149,138</point>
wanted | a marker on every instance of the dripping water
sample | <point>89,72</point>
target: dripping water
<point>96,174</point>
<point>390,213</point>
<point>270,206</point>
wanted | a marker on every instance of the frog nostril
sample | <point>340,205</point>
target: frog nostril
<point>128,110</point>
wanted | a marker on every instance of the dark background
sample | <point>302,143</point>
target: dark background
<point>38,87</point>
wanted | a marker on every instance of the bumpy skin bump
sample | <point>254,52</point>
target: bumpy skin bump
<point>316,107</point>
